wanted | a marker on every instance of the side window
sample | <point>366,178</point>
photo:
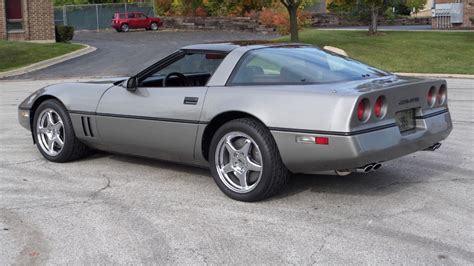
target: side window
<point>140,16</point>
<point>131,15</point>
<point>122,16</point>
<point>198,63</point>
<point>298,66</point>
<point>197,69</point>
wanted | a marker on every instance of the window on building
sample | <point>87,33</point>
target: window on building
<point>14,15</point>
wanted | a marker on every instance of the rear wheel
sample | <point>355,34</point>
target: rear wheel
<point>245,161</point>
<point>124,28</point>
<point>154,26</point>
<point>54,134</point>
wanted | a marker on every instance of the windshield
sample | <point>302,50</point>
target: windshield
<point>298,65</point>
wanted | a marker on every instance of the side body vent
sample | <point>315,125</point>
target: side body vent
<point>86,126</point>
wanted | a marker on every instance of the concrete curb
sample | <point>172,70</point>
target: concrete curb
<point>49,62</point>
<point>429,75</point>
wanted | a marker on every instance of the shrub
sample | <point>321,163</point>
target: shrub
<point>472,19</point>
<point>64,33</point>
<point>200,12</point>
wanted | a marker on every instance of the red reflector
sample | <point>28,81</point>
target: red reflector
<point>322,141</point>
<point>378,107</point>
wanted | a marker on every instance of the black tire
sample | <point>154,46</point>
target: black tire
<point>118,30</point>
<point>124,28</point>
<point>275,175</point>
<point>73,149</point>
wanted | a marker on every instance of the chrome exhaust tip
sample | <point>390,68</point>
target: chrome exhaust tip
<point>342,172</point>
<point>433,147</point>
<point>365,169</point>
<point>377,166</point>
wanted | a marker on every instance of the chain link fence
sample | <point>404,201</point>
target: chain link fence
<point>96,16</point>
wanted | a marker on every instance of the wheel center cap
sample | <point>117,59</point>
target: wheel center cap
<point>238,166</point>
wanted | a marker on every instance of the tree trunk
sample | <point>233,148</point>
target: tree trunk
<point>374,21</point>
<point>293,12</point>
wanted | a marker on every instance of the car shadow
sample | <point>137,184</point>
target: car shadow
<point>388,180</point>
<point>155,163</point>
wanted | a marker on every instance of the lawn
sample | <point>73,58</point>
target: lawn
<point>402,51</point>
<point>18,54</point>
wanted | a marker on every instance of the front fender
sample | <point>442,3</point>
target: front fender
<point>74,96</point>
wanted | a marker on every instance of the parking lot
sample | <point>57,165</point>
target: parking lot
<point>124,54</point>
<point>116,209</point>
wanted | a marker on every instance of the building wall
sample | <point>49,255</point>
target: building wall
<point>3,26</point>
<point>38,22</point>
<point>468,10</point>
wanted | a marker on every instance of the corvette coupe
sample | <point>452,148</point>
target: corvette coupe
<point>252,112</point>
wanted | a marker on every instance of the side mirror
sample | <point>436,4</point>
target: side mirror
<point>131,84</point>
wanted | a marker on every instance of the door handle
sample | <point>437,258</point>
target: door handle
<point>191,100</point>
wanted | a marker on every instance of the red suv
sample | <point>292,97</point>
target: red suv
<point>134,20</point>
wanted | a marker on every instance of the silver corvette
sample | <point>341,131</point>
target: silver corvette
<point>252,112</point>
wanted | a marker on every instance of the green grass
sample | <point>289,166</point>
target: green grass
<point>397,51</point>
<point>18,54</point>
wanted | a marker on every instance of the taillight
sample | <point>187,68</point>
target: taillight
<point>431,97</point>
<point>380,107</point>
<point>363,110</point>
<point>441,98</point>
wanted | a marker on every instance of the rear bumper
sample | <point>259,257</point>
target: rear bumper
<point>349,152</point>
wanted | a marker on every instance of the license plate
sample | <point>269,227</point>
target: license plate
<point>406,120</point>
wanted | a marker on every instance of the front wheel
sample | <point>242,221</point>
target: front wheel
<point>54,133</point>
<point>245,161</point>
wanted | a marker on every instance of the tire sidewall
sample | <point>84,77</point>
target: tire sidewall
<point>151,26</point>
<point>260,190</point>
<point>126,29</point>
<point>69,136</point>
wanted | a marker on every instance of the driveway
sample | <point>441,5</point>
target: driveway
<point>110,209</point>
<point>386,28</point>
<point>123,54</point>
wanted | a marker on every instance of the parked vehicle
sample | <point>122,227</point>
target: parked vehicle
<point>253,113</point>
<point>123,22</point>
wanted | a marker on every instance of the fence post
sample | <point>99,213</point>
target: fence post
<point>126,11</point>
<point>97,16</point>
<point>64,15</point>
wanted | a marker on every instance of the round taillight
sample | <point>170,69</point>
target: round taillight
<point>380,107</point>
<point>431,97</point>
<point>441,95</point>
<point>363,110</point>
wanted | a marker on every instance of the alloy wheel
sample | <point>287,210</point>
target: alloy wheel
<point>238,162</point>
<point>50,132</point>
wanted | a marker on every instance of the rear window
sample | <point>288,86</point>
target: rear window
<point>298,65</point>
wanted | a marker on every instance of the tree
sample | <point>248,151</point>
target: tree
<point>375,7</point>
<point>293,6</point>
<point>416,5</point>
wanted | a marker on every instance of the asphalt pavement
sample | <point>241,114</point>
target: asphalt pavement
<point>116,209</point>
<point>125,54</point>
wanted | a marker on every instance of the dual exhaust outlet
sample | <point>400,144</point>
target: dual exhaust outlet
<point>371,167</point>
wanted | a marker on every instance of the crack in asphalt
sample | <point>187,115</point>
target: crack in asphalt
<point>22,162</point>
<point>91,197</point>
